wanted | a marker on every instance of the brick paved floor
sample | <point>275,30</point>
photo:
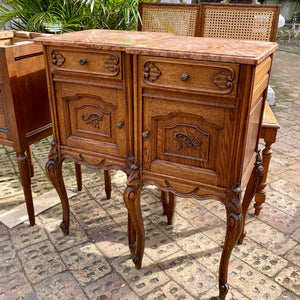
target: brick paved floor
<point>181,261</point>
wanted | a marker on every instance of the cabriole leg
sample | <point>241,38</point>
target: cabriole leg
<point>136,234</point>
<point>233,232</point>
<point>54,172</point>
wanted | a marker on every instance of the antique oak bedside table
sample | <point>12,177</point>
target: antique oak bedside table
<point>24,105</point>
<point>182,113</point>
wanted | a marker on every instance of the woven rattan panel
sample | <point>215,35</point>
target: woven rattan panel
<point>178,21</point>
<point>235,23</point>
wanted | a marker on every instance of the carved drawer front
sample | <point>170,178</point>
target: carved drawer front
<point>196,76</point>
<point>3,117</point>
<point>104,63</point>
<point>185,139</point>
<point>92,118</point>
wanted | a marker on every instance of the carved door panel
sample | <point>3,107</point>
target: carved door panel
<point>92,118</point>
<point>186,140</point>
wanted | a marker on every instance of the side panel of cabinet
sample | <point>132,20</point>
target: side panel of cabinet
<point>92,118</point>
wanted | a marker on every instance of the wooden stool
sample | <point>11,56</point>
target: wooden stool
<point>268,133</point>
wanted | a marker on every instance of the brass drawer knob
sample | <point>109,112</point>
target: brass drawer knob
<point>184,77</point>
<point>145,134</point>
<point>83,61</point>
<point>120,124</point>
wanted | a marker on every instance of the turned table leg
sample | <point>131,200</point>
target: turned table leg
<point>30,160</point>
<point>252,187</point>
<point>54,172</point>
<point>269,135</point>
<point>24,171</point>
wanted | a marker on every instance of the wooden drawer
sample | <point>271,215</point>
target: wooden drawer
<point>191,75</point>
<point>103,63</point>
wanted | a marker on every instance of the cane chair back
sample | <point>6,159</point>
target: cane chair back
<point>241,1</point>
<point>179,19</point>
<point>239,21</point>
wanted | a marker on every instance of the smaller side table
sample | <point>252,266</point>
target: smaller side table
<point>268,133</point>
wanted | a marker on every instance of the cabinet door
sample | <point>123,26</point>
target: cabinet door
<point>91,118</point>
<point>186,140</point>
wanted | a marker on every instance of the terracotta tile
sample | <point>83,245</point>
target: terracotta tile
<point>111,286</point>
<point>171,290</point>
<point>9,262</point>
<point>90,214</point>
<point>110,239</point>
<point>188,272</point>
<point>40,261</point>
<point>59,286</point>
<point>62,242</point>
<point>86,263</point>
<point>287,188</point>
<point>283,202</point>
<point>3,233</point>
<point>294,255</point>
<point>259,258</point>
<point>158,245</point>
<point>142,281</point>
<point>14,286</point>
<point>24,235</point>
<point>251,283</point>
<point>279,220</point>
<point>269,237</point>
<point>179,228</point>
<point>290,278</point>
<point>296,235</point>
<point>197,244</point>
<point>233,294</point>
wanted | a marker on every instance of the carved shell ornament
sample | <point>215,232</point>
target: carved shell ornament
<point>224,80</point>
<point>151,72</point>
<point>112,64</point>
<point>57,58</point>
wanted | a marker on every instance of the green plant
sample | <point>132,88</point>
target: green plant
<point>69,15</point>
<point>43,15</point>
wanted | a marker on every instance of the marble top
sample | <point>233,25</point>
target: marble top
<point>165,44</point>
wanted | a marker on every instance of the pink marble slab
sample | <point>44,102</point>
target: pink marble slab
<point>165,44</point>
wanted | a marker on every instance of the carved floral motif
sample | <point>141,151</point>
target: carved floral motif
<point>57,58</point>
<point>112,64</point>
<point>92,118</point>
<point>133,173</point>
<point>151,72</point>
<point>185,141</point>
<point>224,80</point>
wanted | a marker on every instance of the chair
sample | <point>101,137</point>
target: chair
<point>239,21</point>
<point>179,19</point>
